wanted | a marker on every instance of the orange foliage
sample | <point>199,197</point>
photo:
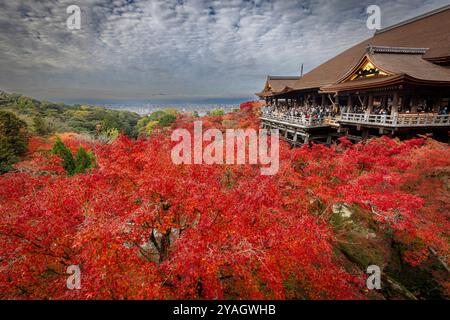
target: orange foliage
<point>141,227</point>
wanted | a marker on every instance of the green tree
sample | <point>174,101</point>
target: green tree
<point>167,119</point>
<point>84,160</point>
<point>160,118</point>
<point>110,122</point>
<point>40,126</point>
<point>216,112</point>
<point>13,140</point>
<point>60,149</point>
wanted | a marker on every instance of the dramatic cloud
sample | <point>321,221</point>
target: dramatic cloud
<point>130,49</point>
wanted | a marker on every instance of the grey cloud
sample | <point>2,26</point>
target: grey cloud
<point>138,49</point>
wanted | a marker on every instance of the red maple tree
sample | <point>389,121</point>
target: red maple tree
<point>141,227</point>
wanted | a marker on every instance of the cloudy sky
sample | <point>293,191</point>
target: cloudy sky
<point>154,49</point>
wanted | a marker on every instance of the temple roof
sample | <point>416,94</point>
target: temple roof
<point>364,83</point>
<point>411,64</point>
<point>391,65</point>
<point>426,37</point>
<point>278,84</point>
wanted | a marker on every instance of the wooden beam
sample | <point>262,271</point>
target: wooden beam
<point>361,101</point>
<point>331,100</point>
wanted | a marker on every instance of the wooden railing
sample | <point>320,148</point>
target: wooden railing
<point>367,118</point>
<point>398,120</point>
<point>423,120</point>
<point>302,121</point>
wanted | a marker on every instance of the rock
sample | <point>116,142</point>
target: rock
<point>343,210</point>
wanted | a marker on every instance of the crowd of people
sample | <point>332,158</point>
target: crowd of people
<point>321,112</point>
<point>317,112</point>
<point>360,109</point>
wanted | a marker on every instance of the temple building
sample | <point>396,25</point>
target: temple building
<point>397,83</point>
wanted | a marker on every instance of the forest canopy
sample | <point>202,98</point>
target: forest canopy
<point>141,227</point>
<point>48,117</point>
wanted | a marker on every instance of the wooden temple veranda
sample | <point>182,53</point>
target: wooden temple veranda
<point>395,83</point>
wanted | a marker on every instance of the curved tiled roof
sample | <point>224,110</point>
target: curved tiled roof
<point>279,83</point>
<point>364,83</point>
<point>276,84</point>
<point>411,64</point>
<point>400,64</point>
<point>431,31</point>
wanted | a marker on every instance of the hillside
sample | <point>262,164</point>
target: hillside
<point>142,227</point>
<point>47,117</point>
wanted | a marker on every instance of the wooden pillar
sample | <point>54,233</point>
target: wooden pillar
<point>349,103</point>
<point>369,104</point>
<point>384,100</point>
<point>414,103</point>
<point>395,99</point>
<point>336,103</point>
<point>306,139</point>
<point>323,100</point>
<point>437,103</point>
<point>314,100</point>
<point>294,143</point>
<point>365,133</point>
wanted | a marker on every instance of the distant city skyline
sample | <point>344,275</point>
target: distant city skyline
<point>176,50</point>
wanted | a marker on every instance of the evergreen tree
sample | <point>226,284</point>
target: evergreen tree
<point>83,160</point>
<point>39,125</point>
<point>60,149</point>
<point>13,140</point>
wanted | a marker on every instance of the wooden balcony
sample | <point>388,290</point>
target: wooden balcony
<point>396,121</point>
<point>298,122</point>
<point>355,126</point>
